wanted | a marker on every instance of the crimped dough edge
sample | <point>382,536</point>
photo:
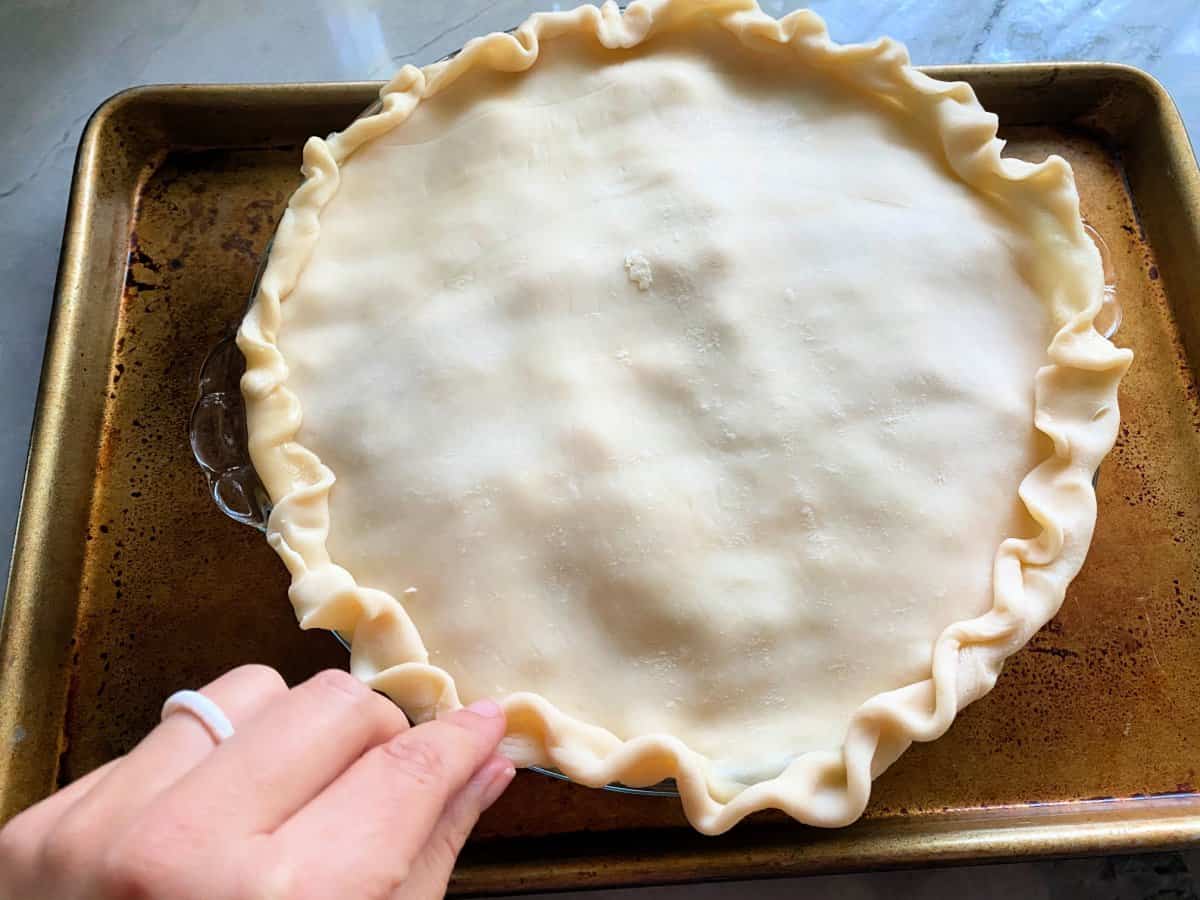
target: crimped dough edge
<point>1075,406</point>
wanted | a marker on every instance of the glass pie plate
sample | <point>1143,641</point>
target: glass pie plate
<point>220,445</point>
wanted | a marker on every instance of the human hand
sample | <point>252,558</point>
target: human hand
<point>323,791</point>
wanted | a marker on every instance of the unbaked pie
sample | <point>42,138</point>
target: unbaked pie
<point>716,396</point>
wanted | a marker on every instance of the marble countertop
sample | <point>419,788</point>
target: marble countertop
<point>60,58</point>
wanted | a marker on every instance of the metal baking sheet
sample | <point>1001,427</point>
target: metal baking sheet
<point>128,583</point>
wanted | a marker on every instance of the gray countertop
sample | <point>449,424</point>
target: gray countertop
<point>60,58</point>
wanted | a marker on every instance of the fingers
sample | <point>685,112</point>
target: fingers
<point>109,797</point>
<point>21,839</point>
<point>326,771</point>
<point>284,757</point>
<point>178,744</point>
<point>377,817</point>
<point>429,874</point>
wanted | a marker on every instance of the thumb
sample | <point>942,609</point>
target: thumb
<point>430,871</point>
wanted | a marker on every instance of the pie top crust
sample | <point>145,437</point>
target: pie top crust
<point>715,395</point>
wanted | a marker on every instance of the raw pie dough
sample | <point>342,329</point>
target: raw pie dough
<point>679,373</point>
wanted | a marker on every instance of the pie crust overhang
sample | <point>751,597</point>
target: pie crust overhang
<point>680,371</point>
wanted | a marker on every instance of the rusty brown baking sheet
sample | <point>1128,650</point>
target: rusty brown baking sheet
<point>128,583</point>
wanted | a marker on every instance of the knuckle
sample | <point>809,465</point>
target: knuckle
<point>131,873</point>
<point>400,872</point>
<point>18,847</point>
<point>374,885</point>
<point>416,759</point>
<point>472,739</point>
<point>341,684</point>
<point>260,678</point>
<point>275,869</point>
<point>386,713</point>
<point>270,875</point>
<point>67,850</point>
<point>145,860</point>
<point>449,843</point>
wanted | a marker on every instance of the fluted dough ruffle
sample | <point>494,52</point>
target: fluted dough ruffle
<point>1075,406</point>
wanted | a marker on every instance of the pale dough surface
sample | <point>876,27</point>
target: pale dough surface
<point>716,396</point>
<point>664,384</point>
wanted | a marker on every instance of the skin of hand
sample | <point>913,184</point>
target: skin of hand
<point>323,791</point>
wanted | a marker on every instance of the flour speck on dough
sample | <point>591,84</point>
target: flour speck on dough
<point>637,267</point>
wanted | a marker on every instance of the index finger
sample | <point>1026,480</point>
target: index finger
<point>278,762</point>
<point>108,796</point>
<point>378,815</point>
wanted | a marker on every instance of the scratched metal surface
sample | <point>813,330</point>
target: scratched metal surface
<point>1101,703</point>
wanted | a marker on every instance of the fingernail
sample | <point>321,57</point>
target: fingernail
<point>489,709</point>
<point>499,776</point>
